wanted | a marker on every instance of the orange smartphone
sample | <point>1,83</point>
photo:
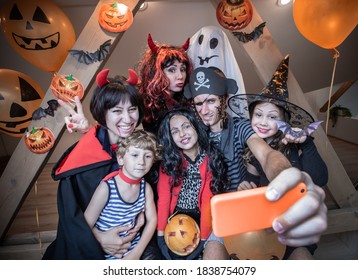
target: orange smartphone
<point>249,210</point>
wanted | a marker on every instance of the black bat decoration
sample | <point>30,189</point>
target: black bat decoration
<point>297,132</point>
<point>252,36</point>
<point>43,112</point>
<point>91,57</point>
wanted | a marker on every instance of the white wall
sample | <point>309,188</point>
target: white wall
<point>345,128</point>
<point>349,99</point>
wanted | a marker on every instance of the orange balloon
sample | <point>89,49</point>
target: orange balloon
<point>255,245</point>
<point>327,23</point>
<point>39,31</point>
<point>20,96</point>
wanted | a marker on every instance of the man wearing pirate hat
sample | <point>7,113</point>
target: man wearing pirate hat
<point>209,90</point>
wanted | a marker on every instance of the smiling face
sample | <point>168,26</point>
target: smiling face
<point>121,120</point>
<point>184,135</point>
<point>136,162</point>
<point>176,73</point>
<point>263,119</point>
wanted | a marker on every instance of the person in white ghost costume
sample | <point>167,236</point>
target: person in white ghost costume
<point>210,46</point>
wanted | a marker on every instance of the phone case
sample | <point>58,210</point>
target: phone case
<point>249,210</point>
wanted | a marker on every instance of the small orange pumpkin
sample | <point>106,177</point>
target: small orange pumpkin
<point>234,14</point>
<point>39,140</point>
<point>66,87</point>
<point>182,235</point>
<point>115,17</point>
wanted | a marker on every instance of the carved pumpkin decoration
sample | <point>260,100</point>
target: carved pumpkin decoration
<point>255,245</point>
<point>115,17</point>
<point>182,234</point>
<point>39,31</point>
<point>66,87</point>
<point>234,14</point>
<point>39,140</point>
<point>20,96</point>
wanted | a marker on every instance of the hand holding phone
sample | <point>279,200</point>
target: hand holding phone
<point>249,210</point>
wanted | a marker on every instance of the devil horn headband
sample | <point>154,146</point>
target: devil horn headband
<point>102,79</point>
<point>154,48</point>
<point>186,45</point>
<point>133,78</point>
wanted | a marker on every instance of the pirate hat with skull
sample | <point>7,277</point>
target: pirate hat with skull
<point>209,81</point>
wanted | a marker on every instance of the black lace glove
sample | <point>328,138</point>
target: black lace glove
<point>163,247</point>
<point>197,251</point>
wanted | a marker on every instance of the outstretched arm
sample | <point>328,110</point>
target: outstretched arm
<point>272,162</point>
<point>305,221</point>
<point>76,121</point>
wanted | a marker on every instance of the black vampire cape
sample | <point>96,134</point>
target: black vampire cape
<point>80,170</point>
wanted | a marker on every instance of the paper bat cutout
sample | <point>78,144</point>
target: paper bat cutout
<point>252,36</point>
<point>297,132</point>
<point>43,112</point>
<point>89,58</point>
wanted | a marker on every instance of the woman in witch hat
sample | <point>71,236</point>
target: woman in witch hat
<point>286,127</point>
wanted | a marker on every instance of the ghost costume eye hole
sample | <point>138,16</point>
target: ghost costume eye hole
<point>213,43</point>
<point>201,38</point>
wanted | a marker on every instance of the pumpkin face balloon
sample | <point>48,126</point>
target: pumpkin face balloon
<point>66,87</point>
<point>39,140</point>
<point>39,31</point>
<point>115,17</point>
<point>182,235</point>
<point>20,96</point>
<point>234,14</point>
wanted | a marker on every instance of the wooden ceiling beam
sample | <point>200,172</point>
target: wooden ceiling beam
<point>342,89</point>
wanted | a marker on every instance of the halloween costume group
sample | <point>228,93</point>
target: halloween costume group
<point>163,77</point>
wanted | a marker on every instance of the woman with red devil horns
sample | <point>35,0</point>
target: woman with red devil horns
<point>164,71</point>
<point>118,109</point>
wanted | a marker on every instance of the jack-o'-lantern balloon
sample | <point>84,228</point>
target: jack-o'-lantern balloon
<point>20,96</point>
<point>66,87</point>
<point>115,17</point>
<point>255,245</point>
<point>234,14</point>
<point>39,31</point>
<point>182,235</point>
<point>39,140</point>
<point>325,23</point>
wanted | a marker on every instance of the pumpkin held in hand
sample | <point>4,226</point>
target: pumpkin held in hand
<point>182,235</point>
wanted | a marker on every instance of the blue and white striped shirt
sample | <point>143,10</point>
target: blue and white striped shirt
<point>118,212</point>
